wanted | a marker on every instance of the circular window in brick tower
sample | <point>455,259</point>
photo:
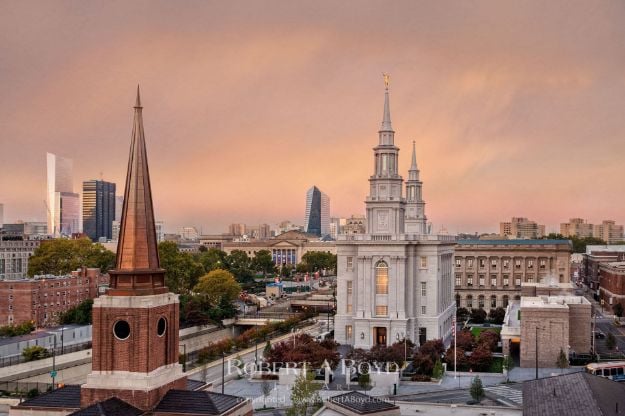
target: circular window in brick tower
<point>121,329</point>
<point>161,326</point>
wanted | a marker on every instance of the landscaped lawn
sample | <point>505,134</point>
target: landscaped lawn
<point>475,331</point>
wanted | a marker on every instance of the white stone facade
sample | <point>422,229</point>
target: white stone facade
<point>395,280</point>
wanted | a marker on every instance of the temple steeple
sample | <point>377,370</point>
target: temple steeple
<point>137,268</point>
<point>413,172</point>
<point>415,205</point>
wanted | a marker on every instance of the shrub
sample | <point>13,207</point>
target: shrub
<point>464,340</point>
<point>477,390</point>
<point>34,353</point>
<point>489,338</point>
<point>481,358</point>
<point>421,377</point>
<point>478,316</point>
<point>461,359</point>
<point>497,315</point>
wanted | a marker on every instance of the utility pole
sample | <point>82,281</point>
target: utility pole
<point>536,351</point>
<point>53,372</point>
<point>223,371</point>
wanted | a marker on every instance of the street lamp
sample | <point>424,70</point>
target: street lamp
<point>223,371</point>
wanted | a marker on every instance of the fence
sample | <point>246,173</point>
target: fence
<point>66,349</point>
<point>23,388</point>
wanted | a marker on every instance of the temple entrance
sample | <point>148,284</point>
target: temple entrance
<point>379,333</point>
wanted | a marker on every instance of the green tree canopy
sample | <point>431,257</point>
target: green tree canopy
<point>181,269</point>
<point>79,314</point>
<point>239,264</point>
<point>61,256</point>
<point>263,262</point>
<point>212,259</point>
<point>304,395</point>
<point>218,286</point>
<point>477,389</point>
<point>317,260</point>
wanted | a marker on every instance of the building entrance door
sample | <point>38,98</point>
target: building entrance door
<point>380,335</point>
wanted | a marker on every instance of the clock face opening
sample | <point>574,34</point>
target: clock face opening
<point>121,330</point>
<point>161,326</point>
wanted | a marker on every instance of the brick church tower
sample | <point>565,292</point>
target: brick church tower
<point>135,325</point>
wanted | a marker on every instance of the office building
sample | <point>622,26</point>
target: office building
<point>520,227</point>
<point>489,273</point>
<point>189,233</point>
<point>356,224</point>
<point>612,283</point>
<point>317,219</point>
<point>595,256</point>
<point>392,284</point>
<point>119,204</point>
<point>98,209</point>
<point>14,255</point>
<point>62,203</point>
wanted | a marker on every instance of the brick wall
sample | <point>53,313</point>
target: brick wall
<point>553,335</point>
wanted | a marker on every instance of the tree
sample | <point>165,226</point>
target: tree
<point>437,372</point>
<point>508,364</point>
<point>478,316</point>
<point>462,314</point>
<point>266,389</point>
<point>481,358</point>
<point>364,381</point>
<point>477,389</point>
<point>212,259</point>
<point>497,315</point>
<point>562,362</point>
<point>464,340</point>
<point>267,349</point>
<point>618,310</point>
<point>238,263</point>
<point>610,341</point>
<point>304,395</point>
<point>303,348</point>
<point>263,262</point>
<point>61,256</point>
<point>427,355</point>
<point>218,286</point>
<point>318,260</point>
<point>461,358</point>
<point>182,271</point>
<point>35,352</point>
<point>24,328</point>
<point>489,338</point>
<point>79,314</point>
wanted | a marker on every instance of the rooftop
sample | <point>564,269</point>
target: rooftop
<point>109,407</point>
<point>67,397</point>
<point>575,394</point>
<point>197,402</point>
<point>552,301</point>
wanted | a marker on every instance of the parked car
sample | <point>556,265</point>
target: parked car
<point>599,334</point>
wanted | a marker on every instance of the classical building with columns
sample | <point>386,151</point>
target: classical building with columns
<point>395,280</point>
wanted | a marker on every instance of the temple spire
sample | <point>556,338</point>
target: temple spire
<point>386,118</point>
<point>137,250</point>
<point>413,164</point>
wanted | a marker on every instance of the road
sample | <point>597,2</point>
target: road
<point>510,394</point>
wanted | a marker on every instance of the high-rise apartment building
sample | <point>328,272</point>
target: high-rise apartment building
<point>576,227</point>
<point>317,220</point>
<point>608,231</point>
<point>520,227</point>
<point>1,215</point>
<point>98,209</point>
<point>392,284</point>
<point>62,203</point>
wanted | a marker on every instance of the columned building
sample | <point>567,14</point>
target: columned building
<point>395,280</point>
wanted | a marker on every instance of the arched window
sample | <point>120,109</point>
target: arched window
<point>381,278</point>
<point>480,301</point>
<point>493,301</point>
<point>469,301</point>
<point>517,297</point>
<point>458,301</point>
<point>505,301</point>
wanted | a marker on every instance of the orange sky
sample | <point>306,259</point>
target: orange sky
<point>517,108</point>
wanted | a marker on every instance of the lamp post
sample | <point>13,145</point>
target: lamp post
<point>62,339</point>
<point>256,348</point>
<point>537,328</point>
<point>223,371</point>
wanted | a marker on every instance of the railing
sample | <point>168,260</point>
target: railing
<point>23,388</point>
<point>270,315</point>
<point>66,349</point>
<point>396,237</point>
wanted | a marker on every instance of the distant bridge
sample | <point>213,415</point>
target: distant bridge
<point>263,318</point>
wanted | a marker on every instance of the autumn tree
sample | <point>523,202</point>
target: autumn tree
<point>302,348</point>
<point>488,338</point>
<point>427,355</point>
<point>218,286</point>
<point>464,340</point>
<point>481,358</point>
<point>461,358</point>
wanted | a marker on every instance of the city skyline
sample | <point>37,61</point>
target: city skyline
<point>528,120</point>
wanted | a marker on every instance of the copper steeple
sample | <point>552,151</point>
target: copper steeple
<point>137,270</point>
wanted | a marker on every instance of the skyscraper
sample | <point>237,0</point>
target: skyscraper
<point>393,283</point>
<point>317,220</point>
<point>98,209</point>
<point>62,203</point>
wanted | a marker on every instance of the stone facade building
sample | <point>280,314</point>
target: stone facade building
<point>392,282</point>
<point>43,298</point>
<point>286,248</point>
<point>14,257</point>
<point>554,323</point>
<point>489,273</point>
